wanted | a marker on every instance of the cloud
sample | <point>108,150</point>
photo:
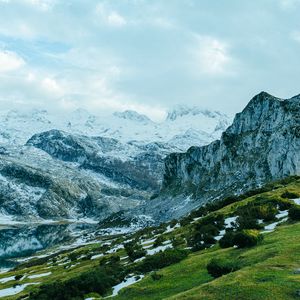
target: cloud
<point>41,4</point>
<point>288,4</point>
<point>52,86</point>
<point>211,55</point>
<point>116,19</point>
<point>109,16</point>
<point>10,61</point>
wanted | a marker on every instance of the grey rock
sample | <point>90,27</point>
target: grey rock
<point>262,145</point>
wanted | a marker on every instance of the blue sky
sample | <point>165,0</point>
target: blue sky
<point>147,55</point>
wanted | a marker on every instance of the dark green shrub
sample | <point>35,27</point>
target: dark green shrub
<point>18,277</point>
<point>247,238</point>
<point>159,241</point>
<point>161,260</point>
<point>216,220</point>
<point>290,195</point>
<point>177,241</point>
<point>134,250</point>
<point>97,280</point>
<point>246,221</point>
<point>72,256</point>
<point>155,276</point>
<point>227,240</point>
<point>294,213</point>
<point>220,267</point>
<point>203,237</point>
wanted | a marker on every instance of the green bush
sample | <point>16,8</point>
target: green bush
<point>247,238</point>
<point>227,240</point>
<point>159,241</point>
<point>202,237</point>
<point>155,276</point>
<point>98,280</point>
<point>134,250</point>
<point>294,213</point>
<point>216,220</point>
<point>177,241</point>
<point>290,195</point>
<point>246,221</point>
<point>161,260</point>
<point>18,277</point>
<point>220,267</point>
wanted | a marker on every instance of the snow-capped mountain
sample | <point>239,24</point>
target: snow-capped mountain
<point>192,124</point>
<point>79,165</point>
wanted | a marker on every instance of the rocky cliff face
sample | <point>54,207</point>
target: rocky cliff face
<point>133,164</point>
<point>33,185</point>
<point>261,145</point>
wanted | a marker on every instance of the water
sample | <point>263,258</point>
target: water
<point>26,240</point>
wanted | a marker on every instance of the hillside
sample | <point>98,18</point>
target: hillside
<point>170,261</point>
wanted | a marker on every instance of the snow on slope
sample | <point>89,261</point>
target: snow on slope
<point>184,127</point>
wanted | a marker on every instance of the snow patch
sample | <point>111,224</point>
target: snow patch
<point>15,290</point>
<point>127,282</point>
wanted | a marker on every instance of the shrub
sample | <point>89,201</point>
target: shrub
<point>134,250</point>
<point>227,240</point>
<point>98,280</point>
<point>290,195</point>
<point>203,237</point>
<point>159,241</point>
<point>216,220</point>
<point>294,213</point>
<point>246,221</point>
<point>220,267</point>
<point>161,260</point>
<point>18,277</point>
<point>247,238</point>
<point>177,241</point>
<point>155,276</point>
<point>72,256</point>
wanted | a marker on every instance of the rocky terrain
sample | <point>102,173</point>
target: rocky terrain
<point>262,144</point>
<point>85,167</point>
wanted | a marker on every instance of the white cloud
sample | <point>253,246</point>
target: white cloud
<point>41,4</point>
<point>110,17</point>
<point>10,61</point>
<point>52,86</point>
<point>288,4</point>
<point>211,55</point>
<point>116,19</point>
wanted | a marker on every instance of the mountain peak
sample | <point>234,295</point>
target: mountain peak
<point>182,110</point>
<point>133,116</point>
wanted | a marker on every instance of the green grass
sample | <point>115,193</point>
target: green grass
<point>268,273</point>
<point>267,270</point>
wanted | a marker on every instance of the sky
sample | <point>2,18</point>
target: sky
<point>147,55</point>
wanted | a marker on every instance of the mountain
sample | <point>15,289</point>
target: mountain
<point>34,186</point>
<point>133,116</point>
<point>262,144</point>
<point>79,165</point>
<point>18,126</point>
<point>133,164</point>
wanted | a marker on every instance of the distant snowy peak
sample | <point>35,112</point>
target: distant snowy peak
<point>181,111</point>
<point>133,116</point>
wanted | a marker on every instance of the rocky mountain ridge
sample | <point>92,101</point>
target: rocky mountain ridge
<point>83,167</point>
<point>262,145</point>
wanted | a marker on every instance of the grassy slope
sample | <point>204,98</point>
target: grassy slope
<point>268,271</point>
<point>268,274</point>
